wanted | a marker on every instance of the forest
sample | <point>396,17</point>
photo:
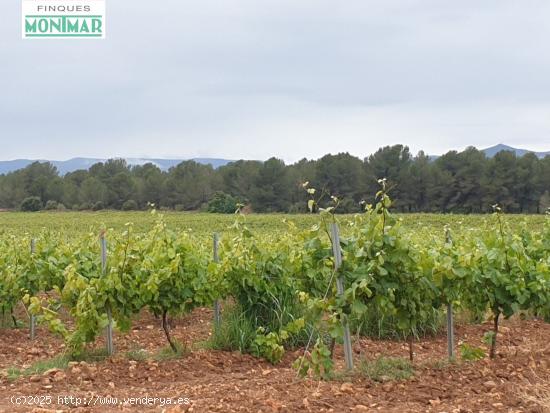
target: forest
<point>456,182</point>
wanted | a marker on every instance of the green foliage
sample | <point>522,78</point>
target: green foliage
<point>98,206</point>
<point>504,277</point>
<point>465,182</point>
<point>91,355</point>
<point>31,204</point>
<point>382,270</point>
<point>222,203</point>
<point>319,362</point>
<point>235,333</point>
<point>14,373</point>
<point>162,270</point>
<point>51,205</point>
<point>397,274</point>
<point>85,206</point>
<point>261,280</point>
<point>129,205</point>
<point>268,346</point>
<point>470,353</point>
<point>375,323</point>
<point>425,229</point>
<point>390,278</point>
<point>173,273</point>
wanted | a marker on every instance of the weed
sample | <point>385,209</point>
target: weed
<point>235,333</point>
<point>91,355</point>
<point>167,353</point>
<point>439,364</point>
<point>39,367</point>
<point>386,369</point>
<point>375,324</point>
<point>137,355</point>
<point>471,353</point>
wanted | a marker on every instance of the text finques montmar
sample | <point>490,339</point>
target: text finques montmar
<point>63,19</point>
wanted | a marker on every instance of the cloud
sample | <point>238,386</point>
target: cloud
<point>251,79</point>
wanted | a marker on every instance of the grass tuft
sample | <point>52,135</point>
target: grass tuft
<point>375,324</point>
<point>14,373</point>
<point>235,333</point>
<point>440,364</point>
<point>58,362</point>
<point>166,353</point>
<point>91,355</point>
<point>39,367</point>
<point>386,369</point>
<point>137,355</point>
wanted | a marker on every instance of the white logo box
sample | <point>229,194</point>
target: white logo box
<point>72,10</point>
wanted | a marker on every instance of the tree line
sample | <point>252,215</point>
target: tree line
<point>460,182</point>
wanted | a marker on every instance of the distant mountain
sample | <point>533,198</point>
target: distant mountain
<point>493,150</point>
<point>75,164</point>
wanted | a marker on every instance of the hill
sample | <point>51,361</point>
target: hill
<point>493,150</point>
<point>75,164</point>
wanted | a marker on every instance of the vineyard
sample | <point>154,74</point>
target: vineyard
<point>296,293</point>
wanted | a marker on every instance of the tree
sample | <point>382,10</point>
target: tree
<point>92,191</point>
<point>190,185</point>
<point>528,188</point>
<point>238,178</point>
<point>463,182</point>
<point>392,163</point>
<point>467,181</point>
<point>343,176</point>
<point>299,173</point>
<point>544,182</point>
<point>461,191</point>
<point>420,180</point>
<point>51,205</point>
<point>544,202</point>
<point>37,177</point>
<point>222,203</point>
<point>149,181</point>
<point>120,187</point>
<point>31,204</point>
<point>499,182</point>
<point>130,205</point>
<point>272,187</point>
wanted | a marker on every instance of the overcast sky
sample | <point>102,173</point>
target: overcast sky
<point>287,78</point>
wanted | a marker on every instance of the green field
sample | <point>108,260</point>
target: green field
<point>204,224</point>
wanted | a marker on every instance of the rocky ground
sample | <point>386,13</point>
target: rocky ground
<point>518,380</point>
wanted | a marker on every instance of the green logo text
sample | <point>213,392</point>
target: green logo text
<point>63,26</point>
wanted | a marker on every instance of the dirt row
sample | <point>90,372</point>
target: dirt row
<point>215,381</point>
